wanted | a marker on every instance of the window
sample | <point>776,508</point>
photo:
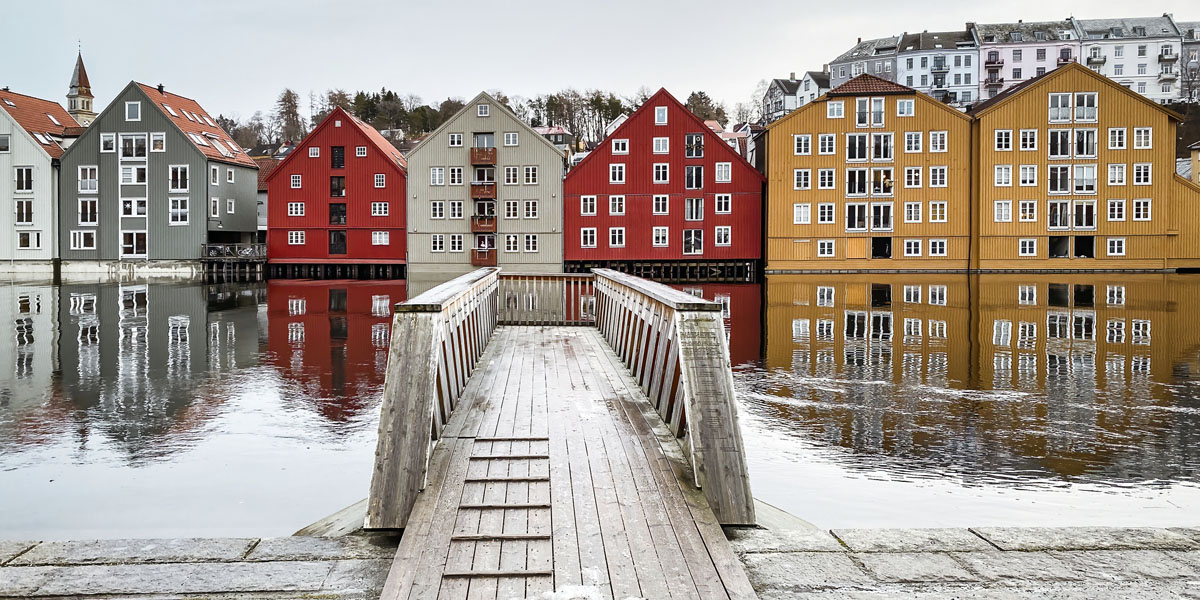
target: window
<point>912,247</point>
<point>83,240</point>
<point>510,138</point>
<point>1060,143</point>
<point>912,141</point>
<point>1116,174</point>
<point>1116,138</point>
<point>512,175</point>
<point>937,177</point>
<point>912,294</point>
<point>937,212</point>
<point>1003,140</point>
<point>455,173</point>
<point>1143,138</point>
<point>912,212</point>
<point>295,209</point>
<point>1116,246</point>
<point>693,209</point>
<point>24,211</point>
<point>337,186</point>
<point>214,207</point>
<point>881,146</point>
<point>1028,210</point>
<point>1058,214</point>
<point>722,234</point>
<point>1085,179</point>
<point>437,175</point>
<point>1060,108</point>
<point>835,110</point>
<point>314,152</point>
<point>661,145</point>
<point>660,115</point>
<point>724,204</point>
<point>437,209</point>
<point>133,111</point>
<point>693,241</point>
<point>158,142</point>
<point>856,182</point>
<point>1002,211</point>
<point>1060,179</point>
<point>456,209</point>
<point>379,209</point>
<point>802,144</point>
<point>512,208</point>
<point>620,146</point>
<point>1003,175</point>
<point>905,108</point>
<point>29,240</point>
<point>296,238</point>
<point>89,211</point>
<point>660,236</point>
<point>1141,209</point>
<point>694,145</point>
<point>108,142</point>
<point>937,141</point>
<point>482,110</point>
<point>295,182</point>
<point>1085,106</point>
<point>228,175</point>
<point>882,183</point>
<point>881,216</point>
<point>437,242</point>
<point>531,175</point>
<point>1028,175</point>
<point>1116,209</point>
<point>1085,214</point>
<point>825,179</point>
<point>1027,247</point>
<point>456,242</point>
<point>1028,139</point>
<point>937,295</point>
<point>616,173</point>
<point>512,243</point>
<point>89,182</point>
<point>133,174</point>
<point>937,247</point>
<point>801,214</point>
<point>662,203</point>
<point>5,143</point>
<point>876,112</point>
<point>661,173</point>
<point>1141,174</point>
<point>454,140</point>
<point>801,179</point>
<point>133,146</point>
<point>587,237</point>
<point>587,205</point>
<point>825,212</point>
<point>179,211</point>
<point>360,151</point>
<point>616,205</point>
<point>1085,143</point>
<point>616,237</point>
<point>724,172</point>
<point>826,143</point>
<point>856,147</point>
<point>825,248</point>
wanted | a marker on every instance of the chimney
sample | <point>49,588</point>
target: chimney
<point>793,76</point>
<point>825,68</point>
<point>970,25</point>
<point>860,40</point>
<point>160,88</point>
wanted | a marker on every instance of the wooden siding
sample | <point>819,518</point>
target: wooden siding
<point>591,178</point>
<point>531,150</point>
<point>24,151</point>
<point>791,246</point>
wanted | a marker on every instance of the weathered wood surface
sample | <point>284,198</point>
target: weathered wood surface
<point>549,299</point>
<point>555,471</point>
<point>675,348</point>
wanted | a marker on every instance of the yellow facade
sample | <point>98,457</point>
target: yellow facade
<point>827,219</point>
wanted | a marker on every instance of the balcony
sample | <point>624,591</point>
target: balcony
<point>483,258</point>
<point>1062,60</point>
<point>940,68</point>
<point>993,82</point>
<point>483,190</point>
<point>483,156</point>
<point>1096,60</point>
<point>483,224</point>
<point>993,61</point>
<point>1168,76</point>
<point>1168,58</point>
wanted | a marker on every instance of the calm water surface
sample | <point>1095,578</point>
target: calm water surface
<point>896,400</point>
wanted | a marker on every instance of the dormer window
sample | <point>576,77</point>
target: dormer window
<point>133,111</point>
<point>483,110</point>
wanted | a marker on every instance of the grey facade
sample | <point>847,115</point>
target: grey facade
<point>942,64</point>
<point>1189,61</point>
<point>175,221</point>
<point>1140,53</point>
<point>443,238</point>
<point>876,57</point>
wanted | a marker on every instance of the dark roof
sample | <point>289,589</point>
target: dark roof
<point>789,86</point>
<point>866,84</point>
<point>1016,89</point>
<point>266,166</point>
<point>1124,28</point>
<point>935,40</point>
<point>821,78</point>
<point>38,116</point>
<point>1005,94</point>
<point>194,122</point>
<point>869,48</point>
<point>1025,31</point>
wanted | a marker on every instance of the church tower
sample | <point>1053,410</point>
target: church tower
<point>79,98</point>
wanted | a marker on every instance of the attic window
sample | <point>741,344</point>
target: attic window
<point>210,122</point>
<point>9,102</point>
<point>1016,36</point>
<point>482,110</point>
<point>53,120</point>
<point>170,110</point>
<point>199,140</point>
<point>233,147</point>
<point>212,136</point>
<point>221,148</point>
<point>188,115</point>
<point>1039,36</point>
<point>41,138</point>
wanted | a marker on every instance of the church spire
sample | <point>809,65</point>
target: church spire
<point>79,97</point>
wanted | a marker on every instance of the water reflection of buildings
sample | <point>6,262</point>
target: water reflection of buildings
<point>332,338</point>
<point>1070,372</point>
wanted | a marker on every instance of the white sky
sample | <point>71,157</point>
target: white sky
<point>236,56</point>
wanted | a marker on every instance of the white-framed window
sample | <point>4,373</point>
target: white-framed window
<point>23,178</point>
<point>825,213</point>
<point>662,173</point>
<point>826,143</point>
<point>1116,246</point>
<point>437,242</point>
<point>108,142</point>
<point>856,182</point>
<point>825,248</point>
<point>587,237</point>
<point>454,140</point>
<point>912,247</point>
<point>89,179</point>
<point>1116,138</point>
<point>531,175</point>
<point>693,241</point>
<point>912,212</point>
<point>1002,211</point>
<point>133,111</point>
<point>379,209</point>
<point>135,207</point>
<point>456,209</point>
<point>178,213</point>
<point>616,173</point>
<point>230,205</point>
<point>660,236</point>
<point>1003,175</point>
<point>381,180</point>
<point>801,179</point>
<point>456,242</point>
<point>616,237</point>
<point>801,214</point>
<point>1027,211</point>
<point>455,176</point>
<point>360,151</point>
<point>133,174</point>
<point>295,209</point>
<point>660,115</point>
<point>723,204</point>
<point>905,108</point>
<point>693,209</point>
<point>83,240</point>
<point>1116,209</point>
<point>512,243</point>
<point>29,240</point>
<point>531,209</point>
<point>724,172</point>
<point>826,179</point>
<point>587,205</point>
<point>1116,174</point>
<point>1060,143</point>
<point>881,146</point>
<point>616,205</point>
<point>620,146</point>
<point>380,238</point>
<point>229,176</point>
<point>1028,175</point>
<point>937,141</point>
<point>295,238</point>
<point>937,295</point>
<point>912,141</point>
<point>1029,140</point>
<point>937,247</point>
<point>295,182</point>
<point>511,138</point>
<point>531,242</point>
<point>437,175</point>
<point>314,151</point>
<point>1060,108</point>
<point>133,146</point>
<point>1085,106</point>
<point>802,144</point>
<point>912,294</point>
<point>483,110</point>
<point>1143,138</point>
<point>662,204</point>
<point>856,216</point>
<point>1003,140</point>
<point>1085,179</point>
<point>661,145</point>
<point>1027,247</point>
<point>937,211</point>
<point>512,208</point>
<point>158,142</point>
<point>722,235</point>
<point>512,175</point>
<point>937,177</point>
<point>835,110</point>
<point>1141,209</point>
<point>1141,174</point>
<point>437,209</point>
<point>5,143</point>
<point>89,211</point>
<point>23,213</point>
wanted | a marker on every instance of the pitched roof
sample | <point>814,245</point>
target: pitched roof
<point>552,130</point>
<point>869,84</point>
<point>1006,95</point>
<point>193,121</point>
<point>381,144</point>
<point>935,40</point>
<point>79,78</point>
<point>1123,28</point>
<point>821,78</point>
<point>1189,29</point>
<point>472,103</point>
<point>266,166</point>
<point>38,117</point>
<point>869,48</point>
<point>789,86</point>
<point>1183,166</point>
<point>1025,31</point>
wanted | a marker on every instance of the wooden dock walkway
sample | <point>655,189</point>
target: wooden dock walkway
<point>554,470</point>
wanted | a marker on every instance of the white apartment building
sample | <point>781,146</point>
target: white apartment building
<point>1010,53</point>
<point>1140,53</point>
<point>943,64</point>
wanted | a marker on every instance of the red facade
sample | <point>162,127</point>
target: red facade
<point>338,228</point>
<point>592,177</point>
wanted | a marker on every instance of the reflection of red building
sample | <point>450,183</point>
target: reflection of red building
<point>742,309</point>
<point>332,338</point>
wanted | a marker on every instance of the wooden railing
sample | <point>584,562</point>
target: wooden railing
<point>437,339</point>
<point>549,299</point>
<point>674,344</point>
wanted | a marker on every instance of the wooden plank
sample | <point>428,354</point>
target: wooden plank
<point>512,456</point>
<point>498,573</point>
<point>564,549</point>
<point>499,536</point>
<point>483,505</point>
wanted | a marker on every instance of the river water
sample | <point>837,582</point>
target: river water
<point>882,400</point>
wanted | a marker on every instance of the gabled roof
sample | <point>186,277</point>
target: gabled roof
<point>552,130</point>
<point>991,103</point>
<point>788,86</point>
<point>662,95</point>
<point>935,40</point>
<point>821,78</point>
<point>470,105</point>
<point>37,117</point>
<point>869,48</point>
<point>1124,28</point>
<point>1189,29</point>
<point>196,124</point>
<point>867,84</point>
<point>1023,32</point>
<point>266,166</point>
<point>338,113</point>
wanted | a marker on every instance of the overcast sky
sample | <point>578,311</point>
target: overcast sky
<point>236,56</point>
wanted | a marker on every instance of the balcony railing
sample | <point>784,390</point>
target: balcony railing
<point>1062,60</point>
<point>483,190</point>
<point>940,68</point>
<point>1168,76</point>
<point>1097,60</point>
<point>994,82</point>
<point>993,62</point>
<point>234,251</point>
<point>1168,57</point>
<point>483,224</point>
<point>483,156</point>
<point>483,258</point>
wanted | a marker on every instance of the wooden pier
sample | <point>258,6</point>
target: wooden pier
<point>551,432</point>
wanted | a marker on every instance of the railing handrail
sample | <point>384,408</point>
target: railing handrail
<point>670,296</point>
<point>442,296</point>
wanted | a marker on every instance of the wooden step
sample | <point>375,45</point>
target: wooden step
<point>502,505</point>
<point>489,537</point>
<point>458,574</point>
<point>504,479</point>
<point>512,457</point>
<point>512,439</point>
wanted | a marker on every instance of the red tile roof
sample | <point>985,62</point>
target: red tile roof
<point>194,121</point>
<point>266,166</point>
<point>867,84</point>
<point>37,116</point>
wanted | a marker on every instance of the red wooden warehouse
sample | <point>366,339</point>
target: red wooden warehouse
<point>335,205</point>
<point>664,197</point>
